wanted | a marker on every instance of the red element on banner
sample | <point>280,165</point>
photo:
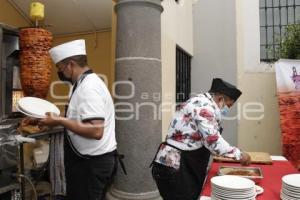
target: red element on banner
<point>289,105</point>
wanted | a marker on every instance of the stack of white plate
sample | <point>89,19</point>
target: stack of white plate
<point>290,187</point>
<point>36,107</point>
<point>229,187</point>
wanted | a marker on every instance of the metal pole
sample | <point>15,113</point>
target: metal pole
<point>2,101</point>
<point>21,164</point>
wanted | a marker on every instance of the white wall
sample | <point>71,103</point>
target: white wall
<point>215,50</point>
<point>177,29</point>
<point>177,24</point>
<point>227,44</point>
<point>258,82</point>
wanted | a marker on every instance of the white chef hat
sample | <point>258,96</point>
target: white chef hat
<point>68,49</point>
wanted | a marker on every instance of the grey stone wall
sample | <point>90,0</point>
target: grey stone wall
<point>138,65</point>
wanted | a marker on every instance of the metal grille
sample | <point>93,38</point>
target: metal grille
<point>183,75</point>
<point>275,15</point>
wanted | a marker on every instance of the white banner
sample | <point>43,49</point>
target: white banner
<point>288,75</point>
<point>288,87</point>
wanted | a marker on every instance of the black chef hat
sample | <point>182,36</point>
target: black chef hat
<point>223,87</point>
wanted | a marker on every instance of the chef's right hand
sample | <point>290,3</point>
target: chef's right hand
<point>51,119</point>
<point>245,159</point>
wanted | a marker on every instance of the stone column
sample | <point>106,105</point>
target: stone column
<point>138,93</point>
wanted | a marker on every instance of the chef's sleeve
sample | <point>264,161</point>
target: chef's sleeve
<point>205,120</point>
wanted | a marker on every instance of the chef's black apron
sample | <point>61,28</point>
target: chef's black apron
<point>87,177</point>
<point>186,182</point>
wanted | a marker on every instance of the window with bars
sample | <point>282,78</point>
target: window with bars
<point>275,15</point>
<point>183,75</point>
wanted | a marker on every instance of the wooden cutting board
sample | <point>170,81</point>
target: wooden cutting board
<point>256,158</point>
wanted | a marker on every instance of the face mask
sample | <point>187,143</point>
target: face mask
<point>63,78</point>
<point>225,110</point>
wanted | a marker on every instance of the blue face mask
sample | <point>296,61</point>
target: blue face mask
<point>224,110</point>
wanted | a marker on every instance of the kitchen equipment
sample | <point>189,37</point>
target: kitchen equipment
<point>256,158</point>
<point>253,173</point>
<point>8,155</point>
<point>9,64</point>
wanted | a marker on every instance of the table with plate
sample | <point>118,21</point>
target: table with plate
<point>275,183</point>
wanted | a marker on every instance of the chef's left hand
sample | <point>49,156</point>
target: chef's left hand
<point>51,119</point>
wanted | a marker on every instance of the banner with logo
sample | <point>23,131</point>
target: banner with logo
<point>288,88</point>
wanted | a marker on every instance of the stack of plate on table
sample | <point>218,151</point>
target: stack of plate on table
<point>290,187</point>
<point>229,187</point>
<point>36,107</point>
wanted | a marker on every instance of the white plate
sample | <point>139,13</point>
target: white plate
<point>282,197</point>
<point>291,188</point>
<point>258,189</point>
<point>292,180</point>
<point>286,197</point>
<point>250,189</point>
<point>233,182</point>
<point>230,190</point>
<point>291,194</point>
<point>234,193</point>
<point>279,158</point>
<point>28,114</point>
<point>231,196</point>
<point>222,198</point>
<point>36,106</point>
<point>205,198</point>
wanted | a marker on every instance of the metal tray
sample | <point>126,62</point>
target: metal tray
<point>255,173</point>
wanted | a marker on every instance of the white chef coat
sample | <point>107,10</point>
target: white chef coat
<point>92,100</point>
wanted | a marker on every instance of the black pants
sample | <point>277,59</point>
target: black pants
<point>174,184</point>
<point>186,182</point>
<point>89,179</point>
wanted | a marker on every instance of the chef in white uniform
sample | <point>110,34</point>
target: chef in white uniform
<point>89,122</point>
